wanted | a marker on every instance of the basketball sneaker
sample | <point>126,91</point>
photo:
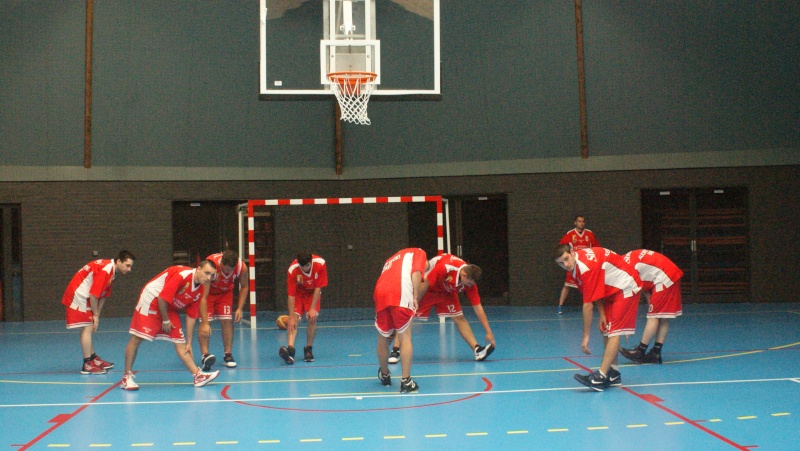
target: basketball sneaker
<point>394,356</point>
<point>102,363</point>
<point>386,379</point>
<point>91,367</point>
<point>128,383</point>
<point>201,378</point>
<point>559,310</point>
<point>308,356</point>
<point>285,355</point>
<point>482,352</point>
<point>228,360</point>
<point>614,378</point>
<point>596,381</point>
<point>408,385</point>
<point>635,355</point>
<point>652,356</point>
<point>208,361</point>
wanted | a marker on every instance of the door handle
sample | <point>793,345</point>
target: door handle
<point>694,246</point>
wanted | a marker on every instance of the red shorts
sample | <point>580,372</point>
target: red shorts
<point>445,304</point>
<point>78,319</point>
<point>393,318</point>
<point>302,303</point>
<point>149,326</point>
<point>621,315</point>
<point>219,306</point>
<point>666,303</point>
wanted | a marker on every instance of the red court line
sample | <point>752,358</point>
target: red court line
<point>224,394</point>
<point>62,418</point>
<point>653,401</point>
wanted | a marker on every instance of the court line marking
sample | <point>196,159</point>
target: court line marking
<point>397,395</point>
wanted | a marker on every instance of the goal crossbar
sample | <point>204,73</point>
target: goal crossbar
<point>253,203</point>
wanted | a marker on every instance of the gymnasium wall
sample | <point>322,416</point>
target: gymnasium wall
<point>64,222</point>
<point>668,84</point>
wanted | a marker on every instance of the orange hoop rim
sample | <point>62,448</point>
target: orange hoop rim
<point>352,77</point>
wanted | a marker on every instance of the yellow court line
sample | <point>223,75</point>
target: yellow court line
<point>636,426</point>
<point>715,420</point>
<point>350,439</point>
<point>674,423</point>
<point>516,432</point>
<point>748,417</point>
<point>597,428</point>
<point>394,437</point>
<point>476,434</point>
<point>785,346</point>
<point>558,430</point>
<point>99,445</point>
<point>309,440</point>
<point>142,444</point>
<point>435,435</point>
<point>184,444</point>
<point>714,357</point>
<point>269,441</point>
<point>58,445</point>
<point>228,442</point>
<point>781,414</point>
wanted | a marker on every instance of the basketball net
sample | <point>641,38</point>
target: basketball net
<point>352,90</point>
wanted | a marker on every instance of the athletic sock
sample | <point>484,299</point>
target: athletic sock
<point>88,359</point>
<point>657,347</point>
<point>93,355</point>
<point>642,347</point>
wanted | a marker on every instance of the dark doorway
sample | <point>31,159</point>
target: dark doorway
<point>705,232</point>
<point>202,228</point>
<point>11,303</point>
<point>478,233</point>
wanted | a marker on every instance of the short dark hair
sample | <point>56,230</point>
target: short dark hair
<point>229,258</point>
<point>579,216</point>
<point>303,258</point>
<point>560,250</point>
<point>473,272</point>
<point>207,262</point>
<point>125,255</point>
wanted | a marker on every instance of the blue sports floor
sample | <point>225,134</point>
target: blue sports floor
<point>730,380</point>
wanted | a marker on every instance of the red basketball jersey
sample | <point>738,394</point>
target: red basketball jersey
<point>93,279</point>
<point>600,273</point>
<point>174,285</point>
<point>223,283</point>
<point>444,276</point>
<point>394,285</point>
<point>579,240</point>
<point>299,283</point>
<point>656,270</point>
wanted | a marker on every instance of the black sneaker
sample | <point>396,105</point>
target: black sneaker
<point>595,381</point>
<point>228,360</point>
<point>308,356</point>
<point>635,355</point>
<point>284,353</point>
<point>482,352</point>
<point>652,356</point>
<point>408,385</point>
<point>208,361</point>
<point>386,379</point>
<point>614,378</point>
<point>394,356</point>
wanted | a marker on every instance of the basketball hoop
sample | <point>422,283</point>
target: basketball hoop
<point>352,90</point>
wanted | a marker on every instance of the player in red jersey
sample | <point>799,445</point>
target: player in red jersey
<point>448,276</point>
<point>603,277</point>
<point>397,293</point>
<point>231,270</point>
<point>306,278</point>
<point>156,316</point>
<point>84,299</point>
<point>661,279</point>
<point>578,238</point>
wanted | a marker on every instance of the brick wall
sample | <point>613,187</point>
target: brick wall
<point>63,222</point>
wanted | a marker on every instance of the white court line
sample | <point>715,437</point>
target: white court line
<point>388,395</point>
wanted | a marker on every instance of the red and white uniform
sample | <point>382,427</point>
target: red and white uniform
<point>394,292</point>
<point>176,286</point>
<point>577,241</point>
<point>302,285</point>
<point>602,274</point>
<point>661,277</point>
<point>444,277</point>
<point>94,279</point>
<point>220,297</point>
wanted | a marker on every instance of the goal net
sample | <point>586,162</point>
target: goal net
<point>355,235</point>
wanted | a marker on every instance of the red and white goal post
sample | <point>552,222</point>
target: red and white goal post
<point>251,204</point>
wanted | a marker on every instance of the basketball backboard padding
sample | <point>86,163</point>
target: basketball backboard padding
<point>406,55</point>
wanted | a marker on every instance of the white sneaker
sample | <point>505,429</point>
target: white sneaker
<point>481,352</point>
<point>202,378</point>
<point>394,356</point>
<point>128,383</point>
